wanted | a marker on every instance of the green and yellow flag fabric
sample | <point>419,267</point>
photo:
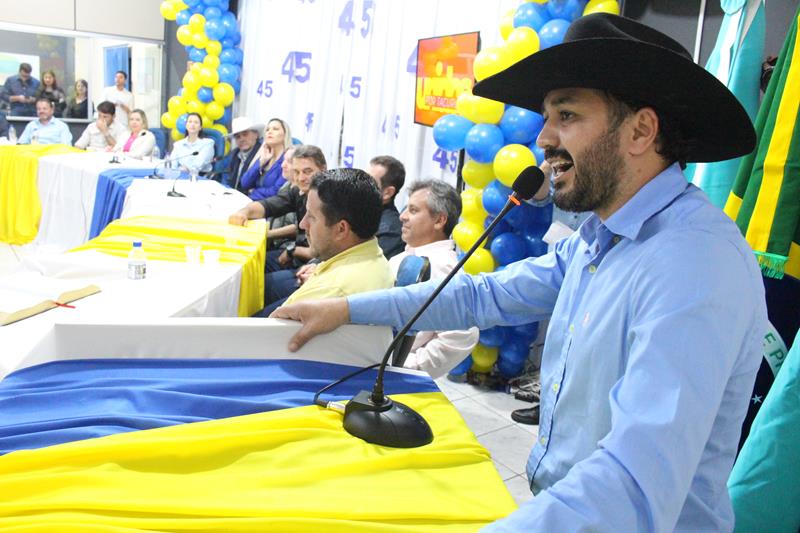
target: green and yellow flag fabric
<point>765,199</point>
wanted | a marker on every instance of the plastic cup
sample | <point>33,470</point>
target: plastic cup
<point>193,253</point>
<point>211,257</point>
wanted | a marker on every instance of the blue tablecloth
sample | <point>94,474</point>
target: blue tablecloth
<point>112,185</point>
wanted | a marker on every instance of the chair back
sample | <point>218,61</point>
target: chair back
<point>161,136</point>
<point>413,269</point>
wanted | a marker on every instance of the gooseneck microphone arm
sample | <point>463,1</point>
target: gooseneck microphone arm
<point>375,418</point>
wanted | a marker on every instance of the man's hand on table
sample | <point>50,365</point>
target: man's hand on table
<point>317,316</point>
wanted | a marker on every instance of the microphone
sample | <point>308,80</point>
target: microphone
<point>173,193</point>
<point>378,419</point>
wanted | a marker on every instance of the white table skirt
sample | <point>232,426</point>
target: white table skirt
<point>204,199</point>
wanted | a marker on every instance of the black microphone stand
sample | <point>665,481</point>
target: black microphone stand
<point>377,418</point>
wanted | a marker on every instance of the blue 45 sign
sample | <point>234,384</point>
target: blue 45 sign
<point>346,23</point>
<point>297,66</point>
<point>446,159</point>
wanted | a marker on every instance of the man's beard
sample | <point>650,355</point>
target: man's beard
<point>595,187</point>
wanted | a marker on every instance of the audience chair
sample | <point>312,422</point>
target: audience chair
<point>412,269</point>
<point>161,135</point>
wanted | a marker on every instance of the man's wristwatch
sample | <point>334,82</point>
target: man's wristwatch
<point>290,249</point>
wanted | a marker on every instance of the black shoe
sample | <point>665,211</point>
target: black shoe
<point>527,396</point>
<point>528,416</point>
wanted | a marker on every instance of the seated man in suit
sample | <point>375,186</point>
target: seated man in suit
<point>428,220</point>
<point>245,134</point>
<point>390,175</point>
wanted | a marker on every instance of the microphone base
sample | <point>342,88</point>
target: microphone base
<point>176,194</point>
<point>389,423</point>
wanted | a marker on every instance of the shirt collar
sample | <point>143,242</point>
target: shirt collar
<point>445,245</point>
<point>652,198</point>
<point>367,249</point>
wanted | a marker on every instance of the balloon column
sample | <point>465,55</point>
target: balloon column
<point>500,141</point>
<point>211,37</point>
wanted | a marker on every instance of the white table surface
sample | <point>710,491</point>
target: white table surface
<point>205,199</point>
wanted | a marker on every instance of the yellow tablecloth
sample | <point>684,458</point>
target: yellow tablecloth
<point>20,209</point>
<point>165,239</point>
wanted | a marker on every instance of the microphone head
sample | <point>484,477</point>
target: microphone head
<point>528,182</point>
<point>196,153</point>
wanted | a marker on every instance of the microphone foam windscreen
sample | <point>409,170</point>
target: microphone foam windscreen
<point>528,182</point>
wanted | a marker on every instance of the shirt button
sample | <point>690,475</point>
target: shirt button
<point>543,440</point>
<point>556,386</point>
<point>616,239</point>
<point>592,269</point>
<point>571,328</point>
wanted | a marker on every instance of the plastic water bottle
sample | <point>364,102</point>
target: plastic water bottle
<point>167,161</point>
<point>155,154</point>
<point>35,138</point>
<point>137,262</point>
<point>12,135</point>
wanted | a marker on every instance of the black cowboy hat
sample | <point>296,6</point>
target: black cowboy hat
<point>629,59</point>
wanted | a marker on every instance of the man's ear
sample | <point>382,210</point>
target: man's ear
<point>643,127</point>
<point>343,229</point>
<point>440,222</point>
<point>388,193</point>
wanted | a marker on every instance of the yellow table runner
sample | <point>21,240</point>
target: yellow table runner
<point>165,239</point>
<point>293,470</point>
<point>20,209</point>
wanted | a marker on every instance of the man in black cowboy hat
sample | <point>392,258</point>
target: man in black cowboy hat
<point>656,304</point>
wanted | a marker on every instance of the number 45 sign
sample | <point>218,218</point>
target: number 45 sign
<point>297,66</point>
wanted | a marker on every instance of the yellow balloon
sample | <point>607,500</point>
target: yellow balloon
<point>484,357</point>
<point>208,76</point>
<point>168,120</point>
<point>188,95</point>
<point>487,111</point>
<point>223,94</point>
<point>472,206</point>
<point>211,61</point>
<point>176,106</point>
<point>196,106</point>
<point>214,111</point>
<point>220,128</point>
<point>176,135</point>
<point>227,146</point>
<point>537,1</point>
<point>168,10</point>
<point>466,233</point>
<point>191,82</point>
<point>510,161</point>
<point>522,42</point>
<point>207,122</point>
<point>179,6</point>
<point>197,23</point>
<point>601,6</point>
<point>477,175</point>
<point>214,48</point>
<point>199,39</point>
<point>195,68</point>
<point>464,104</point>
<point>507,23</point>
<point>491,61</point>
<point>184,35</point>
<point>481,261</point>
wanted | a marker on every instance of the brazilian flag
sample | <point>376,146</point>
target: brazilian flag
<point>765,199</point>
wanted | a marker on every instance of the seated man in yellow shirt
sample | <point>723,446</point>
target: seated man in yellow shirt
<point>343,212</point>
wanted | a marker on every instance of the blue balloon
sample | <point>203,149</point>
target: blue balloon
<point>214,29</point>
<point>527,332</point>
<point>494,197</point>
<point>462,367</point>
<point>542,216</point>
<point>226,116</point>
<point>181,123</point>
<point>223,5</point>
<point>226,43</point>
<point>538,152</point>
<point>450,131</point>
<point>198,9</point>
<point>227,56</point>
<point>205,94</point>
<point>566,9</point>
<point>534,246</point>
<point>183,17</point>
<point>239,55</point>
<point>229,21</point>
<point>227,73</point>
<point>192,3</point>
<point>520,126</point>
<point>552,33</point>
<point>210,3</point>
<point>483,142</point>
<point>520,216</point>
<point>197,54</point>
<point>234,36</point>
<point>531,15</point>
<point>212,13</point>
<point>237,86</point>
<point>508,248</point>
<point>510,369</point>
<point>500,228</point>
<point>493,336</point>
<point>514,349</point>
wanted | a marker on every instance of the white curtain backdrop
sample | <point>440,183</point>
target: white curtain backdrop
<point>341,72</point>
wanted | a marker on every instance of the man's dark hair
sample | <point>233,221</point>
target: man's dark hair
<point>124,74</point>
<point>309,151</point>
<point>107,108</point>
<point>442,199</point>
<point>671,143</point>
<point>26,68</point>
<point>395,172</point>
<point>349,194</point>
<point>45,99</point>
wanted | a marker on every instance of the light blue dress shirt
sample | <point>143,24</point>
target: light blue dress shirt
<point>54,132</point>
<point>182,150</point>
<point>657,316</point>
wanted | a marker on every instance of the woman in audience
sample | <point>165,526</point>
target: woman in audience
<point>194,152</point>
<point>78,106</point>
<point>140,142</point>
<point>265,178</point>
<point>49,89</point>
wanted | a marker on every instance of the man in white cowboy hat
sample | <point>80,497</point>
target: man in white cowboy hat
<point>246,135</point>
<point>656,303</point>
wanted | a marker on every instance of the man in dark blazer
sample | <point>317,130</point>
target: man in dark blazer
<point>246,135</point>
